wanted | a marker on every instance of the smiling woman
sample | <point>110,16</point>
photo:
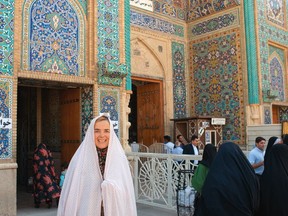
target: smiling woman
<point>98,177</point>
<point>102,132</point>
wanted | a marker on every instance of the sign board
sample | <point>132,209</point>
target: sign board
<point>5,123</point>
<point>218,121</point>
<point>205,124</point>
<point>143,4</point>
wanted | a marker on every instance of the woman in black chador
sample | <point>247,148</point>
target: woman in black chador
<point>274,183</point>
<point>231,186</point>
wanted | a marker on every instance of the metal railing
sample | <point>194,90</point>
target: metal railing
<point>155,176</point>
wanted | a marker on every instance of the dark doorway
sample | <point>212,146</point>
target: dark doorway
<point>146,117</point>
<point>49,115</point>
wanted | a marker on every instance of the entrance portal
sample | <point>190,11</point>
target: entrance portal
<point>146,117</point>
<point>51,116</point>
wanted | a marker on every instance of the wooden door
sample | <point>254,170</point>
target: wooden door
<point>275,115</point>
<point>69,123</point>
<point>150,113</point>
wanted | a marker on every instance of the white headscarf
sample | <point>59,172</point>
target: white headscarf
<point>84,188</point>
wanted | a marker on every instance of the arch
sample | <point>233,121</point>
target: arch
<point>151,51</point>
<point>54,56</point>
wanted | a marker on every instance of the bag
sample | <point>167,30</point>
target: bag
<point>186,197</point>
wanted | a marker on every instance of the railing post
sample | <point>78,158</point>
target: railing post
<point>136,162</point>
<point>169,189</point>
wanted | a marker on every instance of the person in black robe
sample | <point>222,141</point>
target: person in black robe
<point>274,183</point>
<point>231,186</point>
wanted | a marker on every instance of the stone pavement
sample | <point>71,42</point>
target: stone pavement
<point>25,207</point>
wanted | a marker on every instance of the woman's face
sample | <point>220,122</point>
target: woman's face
<point>102,133</point>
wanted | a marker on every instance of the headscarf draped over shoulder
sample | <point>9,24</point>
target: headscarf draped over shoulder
<point>84,187</point>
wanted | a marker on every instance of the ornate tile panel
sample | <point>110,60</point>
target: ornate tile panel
<point>109,102</point>
<point>153,23</point>
<point>267,115</point>
<point>179,81</point>
<point>54,37</point>
<point>6,37</point>
<point>283,113</point>
<point>276,62</point>
<point>199,8</point>
<point>108,37</point>
<point>217,78</point>
<point>221,22</point>
<point>86,108</point>
<point>269,32</point>
<point>6,91</point>
<point>169,8</point>
<point>276,12</point>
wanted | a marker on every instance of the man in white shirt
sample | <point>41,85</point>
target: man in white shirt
<point>256,156</point>
<point>168,144</point>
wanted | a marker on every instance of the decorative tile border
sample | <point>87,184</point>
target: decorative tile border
<point>6,37</point>
<point>6,97</point>
<point>217,23</point>
<point>179,81</point>
<point>108,37</point>
<point>138,19</point>
<point>83,3</point>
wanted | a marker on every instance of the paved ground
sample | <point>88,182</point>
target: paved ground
<point>25,207</point>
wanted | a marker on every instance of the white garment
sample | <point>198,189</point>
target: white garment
<point>84,188</point>
<point>196,152</point>
<point>169,147</point>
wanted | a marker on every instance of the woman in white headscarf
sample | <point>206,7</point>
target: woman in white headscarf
<point>98,180</point>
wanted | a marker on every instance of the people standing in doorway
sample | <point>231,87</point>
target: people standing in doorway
<point>168,144</point>
<point>44,179</point>
<point>256,156</point>
<point>98,180</point>
<point>192,149</point>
